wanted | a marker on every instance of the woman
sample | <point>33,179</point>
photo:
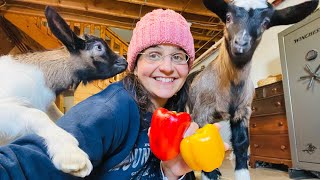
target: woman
<point>112,126</point>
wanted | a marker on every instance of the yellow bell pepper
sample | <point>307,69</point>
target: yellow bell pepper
<point>203,150</point>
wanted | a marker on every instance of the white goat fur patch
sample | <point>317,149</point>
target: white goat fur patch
<point>251,4</point>
<point>242,174</point>
<point>24,100</point>
<point>24,82</point>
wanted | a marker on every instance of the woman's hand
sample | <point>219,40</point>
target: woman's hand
<point>177,167</point>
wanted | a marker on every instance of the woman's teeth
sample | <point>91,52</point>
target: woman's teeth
<point>162,79</point>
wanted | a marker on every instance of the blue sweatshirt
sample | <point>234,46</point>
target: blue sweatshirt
<point>107,126</point>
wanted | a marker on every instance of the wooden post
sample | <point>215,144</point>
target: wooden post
<point>92,29</point>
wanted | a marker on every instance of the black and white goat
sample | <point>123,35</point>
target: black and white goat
<point>30,82</point>
<point>224,90</point>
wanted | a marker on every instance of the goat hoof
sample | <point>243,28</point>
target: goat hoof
<point>72,160</point>
<point>213,175</point>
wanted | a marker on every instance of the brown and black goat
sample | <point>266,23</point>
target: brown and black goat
<point>224,90</point>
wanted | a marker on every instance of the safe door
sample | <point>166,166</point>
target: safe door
<point>300,61</point>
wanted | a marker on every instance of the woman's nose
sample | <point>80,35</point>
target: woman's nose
<point>166,65</point>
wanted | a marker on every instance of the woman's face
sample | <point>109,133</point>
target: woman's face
<point>162,78</point>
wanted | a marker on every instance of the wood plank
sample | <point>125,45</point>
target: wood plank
<point>59,102</point>
<point>114,35</point>
<point>82,25</point>
<point>126,8</point>
<point>70,17</point>
<point>188,6</point>
<point>201,37</point>
<point>121,50</point>
<point>71,25</point>
<point>103,32</point>
<point>28,25</point>
<point>6,43</point>
<point>92,29</point>
<point>38,22</point>
<point>98,21</point>
<point>206,25</point>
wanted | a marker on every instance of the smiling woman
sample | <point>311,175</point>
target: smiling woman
<point>162,77</point>
<point>112,126</point>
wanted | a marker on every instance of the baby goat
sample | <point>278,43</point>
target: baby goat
<point>30,82</point>
<point>223,90</point>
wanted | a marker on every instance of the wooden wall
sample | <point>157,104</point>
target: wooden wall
<point>6,44</point>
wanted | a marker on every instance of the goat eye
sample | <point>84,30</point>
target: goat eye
<point>265,23</point>
<point>228,18</point>
<point>98,47</point>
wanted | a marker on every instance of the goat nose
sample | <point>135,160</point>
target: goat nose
<point>121,59</point>
<point>241,42</point>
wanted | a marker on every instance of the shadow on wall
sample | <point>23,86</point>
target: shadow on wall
<point>266,59</point>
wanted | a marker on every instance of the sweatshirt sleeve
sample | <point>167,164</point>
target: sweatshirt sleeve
<point>106,126</point>
<point>26,158</point>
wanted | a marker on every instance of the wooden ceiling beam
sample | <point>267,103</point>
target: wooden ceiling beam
<point>112,8</point>
<point>207,26</point>
<point>70,17</point>
<point>126,9</point>
<point>122,8</point>
<point>201,37</point>
<point>194,6</point>
<point>86,19</point>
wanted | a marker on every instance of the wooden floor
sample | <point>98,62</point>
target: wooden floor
<point>227,171</point>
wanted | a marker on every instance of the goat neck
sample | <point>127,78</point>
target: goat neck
<point>228,70</point>
<point>58,67</point>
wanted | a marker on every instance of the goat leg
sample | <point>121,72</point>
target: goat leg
<point>54,112</point>
<point>62,147</point>
<point>242,114</point>
<point>240,144</point>
<point>213,175</point>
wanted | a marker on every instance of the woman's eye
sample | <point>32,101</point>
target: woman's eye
<point>154,56</point>
<point>177,57</point>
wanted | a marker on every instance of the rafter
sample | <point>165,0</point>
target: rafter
<point>110,8</point>
<point>86,19</point>
<point>121,7</point>
<point>128,9</point>
<point>70,17</point>
<point>196,8</point>
<point>207,25</point>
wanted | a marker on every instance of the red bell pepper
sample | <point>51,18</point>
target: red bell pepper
<point>166,132</point>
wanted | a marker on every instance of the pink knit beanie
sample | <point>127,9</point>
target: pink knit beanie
<point>159,27</point>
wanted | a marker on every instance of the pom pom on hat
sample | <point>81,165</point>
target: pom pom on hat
<point>160,27</point>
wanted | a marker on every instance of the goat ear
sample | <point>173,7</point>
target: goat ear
<point>86,36</point>
<point>219,7</point>
<point>62,31</point>
<point>293,14</point>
